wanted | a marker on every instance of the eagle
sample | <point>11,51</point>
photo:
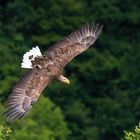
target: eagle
<point>47,67</point>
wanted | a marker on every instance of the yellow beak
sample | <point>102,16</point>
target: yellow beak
<point>67,81</point>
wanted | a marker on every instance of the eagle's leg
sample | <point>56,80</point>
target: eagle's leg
<point>63,79</point>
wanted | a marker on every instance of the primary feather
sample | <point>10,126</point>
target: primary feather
<point>47,67</point>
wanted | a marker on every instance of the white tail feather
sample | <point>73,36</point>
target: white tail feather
<point>30,55</point>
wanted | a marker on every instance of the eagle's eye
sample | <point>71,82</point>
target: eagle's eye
<point>65,79</point>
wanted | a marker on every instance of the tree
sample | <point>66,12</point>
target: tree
<point>135,135</point>
<point>4,132</point>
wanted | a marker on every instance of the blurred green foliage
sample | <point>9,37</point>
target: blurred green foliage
<point>103,99</point>
<point>4,132</point>
<point>132,135</point>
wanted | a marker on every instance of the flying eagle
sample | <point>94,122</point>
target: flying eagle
<point>44,68</point>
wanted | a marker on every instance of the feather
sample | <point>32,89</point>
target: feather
<point>29,56</point>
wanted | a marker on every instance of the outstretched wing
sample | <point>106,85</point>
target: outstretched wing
<point>74,44</point>
<point>25,93</point>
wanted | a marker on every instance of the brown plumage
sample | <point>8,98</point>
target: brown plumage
<point>49,66</point>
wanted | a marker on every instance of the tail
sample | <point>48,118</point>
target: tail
<point>29,56</point>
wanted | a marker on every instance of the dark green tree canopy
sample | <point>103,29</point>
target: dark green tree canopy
<point>103,99</point>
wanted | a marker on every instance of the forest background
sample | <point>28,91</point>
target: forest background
<point>104,96</point>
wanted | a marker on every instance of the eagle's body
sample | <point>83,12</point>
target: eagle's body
<point>48,67</point>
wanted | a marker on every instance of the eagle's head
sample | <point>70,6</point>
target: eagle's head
<point>63,79</point>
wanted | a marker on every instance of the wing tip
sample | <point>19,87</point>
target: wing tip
<point>90,29</point>
<point>16,107</point>
<point>99,29</point>
<point>88,33</point>
<point>11,114</point>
